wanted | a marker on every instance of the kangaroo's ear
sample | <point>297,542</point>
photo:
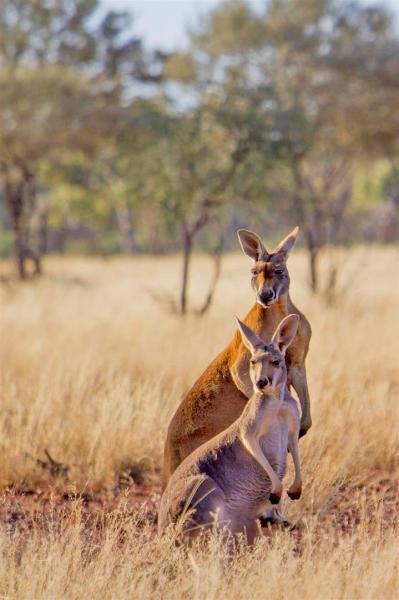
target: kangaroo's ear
<point>286,245</point>
<point>285,332</point>
<point>251,244</point>
<point>249,337</point>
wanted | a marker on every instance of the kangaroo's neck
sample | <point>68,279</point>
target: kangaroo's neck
<point>281,307</point>
<point>261,410</point>
<point>260,318</point>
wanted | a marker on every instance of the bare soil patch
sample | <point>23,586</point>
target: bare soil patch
<point>351,507</point>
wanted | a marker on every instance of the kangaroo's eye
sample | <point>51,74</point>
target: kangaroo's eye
<point>254,272</point>
<point>279,271</point>
<point>276,363</point>
<point>252,362</point>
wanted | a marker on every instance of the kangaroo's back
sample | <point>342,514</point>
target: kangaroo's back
<point>211,405</point>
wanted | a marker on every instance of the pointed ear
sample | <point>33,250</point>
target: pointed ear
<point>285,332</point>
<point>287,243</point>
<point>251,244</point>
<point>249,337</point>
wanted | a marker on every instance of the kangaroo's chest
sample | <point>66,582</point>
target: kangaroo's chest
<point>274,446</point>
<point>244,481</point>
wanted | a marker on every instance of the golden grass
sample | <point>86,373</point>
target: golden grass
<point>93,366</point>
<point>68,564</point>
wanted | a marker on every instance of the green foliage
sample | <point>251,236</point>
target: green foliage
<point>233,29</point>
<point>6,243</point>
<point>275,115</point>
<point>181,67</point>
<point>369,183</point>
<point>35,105</point>
<point>106,244</point>
<point>391,186</point>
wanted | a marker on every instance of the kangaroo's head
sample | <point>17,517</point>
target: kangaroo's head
<point>270,279</point>
<point>267,366</point>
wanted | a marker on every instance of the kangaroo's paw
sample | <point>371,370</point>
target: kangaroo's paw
<point>276,493</point>
<point>275,498</point>
<point>305,426</point>
<point>295,492</point>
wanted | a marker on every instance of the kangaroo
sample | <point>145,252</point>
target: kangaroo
<point>220,394</point>
<point>231,479</point>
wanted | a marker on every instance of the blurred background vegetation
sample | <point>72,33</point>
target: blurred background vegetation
<point>267,119</point>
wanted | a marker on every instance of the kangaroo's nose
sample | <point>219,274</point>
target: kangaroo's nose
<point>263,382</point>
<point>266,296</point>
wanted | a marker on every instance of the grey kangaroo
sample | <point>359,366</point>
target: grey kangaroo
<point>233,478</point>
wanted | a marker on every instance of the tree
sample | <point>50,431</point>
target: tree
<point>327,77</point>
<point>332,47</point>
<point>62,84</point>
<point>34,110</point>
<point>206,161</point>
<point>192,174</point>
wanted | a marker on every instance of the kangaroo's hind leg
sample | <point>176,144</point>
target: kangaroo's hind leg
<point>208,506</point>
<point>295,490</point>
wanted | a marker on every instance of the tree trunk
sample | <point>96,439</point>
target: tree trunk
<point>314,279</point>
<point>300,209</point>
<point>124,220</point>
<point>313,252</point>
<point>36,259</point>
<point>14,201</point>
<point>19,250</point>
<point>187,250</point>
<point>20,197</point>
<point>217,262</point>
<point>189,232</point>
<point>43,233</point>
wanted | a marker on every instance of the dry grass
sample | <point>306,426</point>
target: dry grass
<point>68,564</point>
<point>92,367</point>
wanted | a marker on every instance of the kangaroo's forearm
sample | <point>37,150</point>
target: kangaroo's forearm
<point>300,385</point>
<point>251,444</point>
<point>295,489</point>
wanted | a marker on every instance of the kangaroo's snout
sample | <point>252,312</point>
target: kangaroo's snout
<point>262,383</point>
<point>266,297</point>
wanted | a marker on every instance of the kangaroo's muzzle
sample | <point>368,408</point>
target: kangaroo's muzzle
<point>264,382</point>
<point>268,297</point>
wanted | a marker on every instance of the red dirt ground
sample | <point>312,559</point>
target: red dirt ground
<point>25,510</point>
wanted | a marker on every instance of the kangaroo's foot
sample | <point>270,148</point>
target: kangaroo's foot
<point>295,491</point>
<point>275,517</point>
<point>275,498</point>
<point>306,424</point>
<point>276,493</point>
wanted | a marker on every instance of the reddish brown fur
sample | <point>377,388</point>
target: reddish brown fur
<point>219,395</point>
<point>214,401</point>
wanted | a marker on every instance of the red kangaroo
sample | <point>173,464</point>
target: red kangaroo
<point>233,478</point>
<point>220,394</point>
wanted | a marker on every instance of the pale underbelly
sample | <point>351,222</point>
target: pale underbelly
<point>275,446</point>
<point>249,494</point>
